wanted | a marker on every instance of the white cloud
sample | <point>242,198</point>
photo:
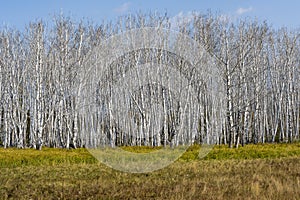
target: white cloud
<point>225,18</point>
<point>123,8</point>
<point>186,17</point>
<point>241,11</point>
<point>182,18</point>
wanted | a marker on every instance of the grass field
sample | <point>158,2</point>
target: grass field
<point>263,171</point>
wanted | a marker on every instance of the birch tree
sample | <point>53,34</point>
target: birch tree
<point>43,77</point>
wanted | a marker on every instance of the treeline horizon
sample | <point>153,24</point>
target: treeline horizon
<point>41,66</point>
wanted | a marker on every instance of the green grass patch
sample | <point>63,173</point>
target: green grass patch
<point>140,149</point>
<point>255,151</point>
<point>251,151</point>
<point>12,157</point>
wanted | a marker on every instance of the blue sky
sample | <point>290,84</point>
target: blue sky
<point>278,13</point>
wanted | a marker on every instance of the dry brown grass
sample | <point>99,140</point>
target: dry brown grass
<point>276,178</point>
